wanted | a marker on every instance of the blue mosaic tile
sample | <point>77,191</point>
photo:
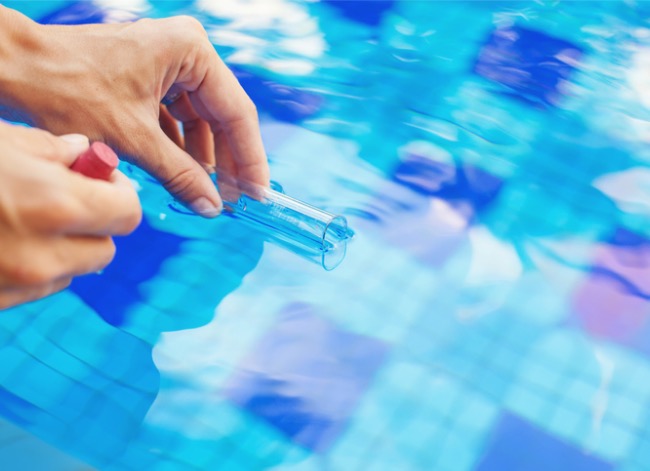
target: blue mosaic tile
<point>36,9</point>
<point>518,445</point>
<point>532,64</point>
<point>308,378</point>
<point>368,12</point>
<point>308,397</point>
<point>27,383</point>
<point>21,451</point>
<point>15,408</point>
<point>116,289</point>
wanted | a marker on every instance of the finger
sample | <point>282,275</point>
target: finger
<point>77,255</point>
<point>182,109</point>
<point>10,298</point>
<point>63,149</point>
<point>226,168</point>
<point>199,142</point>
<point>94,207</point>
<point>42,261</point>
<point>181,175</point>
<point>198,136</point>
<point>220,156</point>
<point>225,163</point>
<point>170,127</point>
<point>217,96</point>
<point>220,100</point>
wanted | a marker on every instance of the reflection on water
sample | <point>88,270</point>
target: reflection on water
<point>492,158</point>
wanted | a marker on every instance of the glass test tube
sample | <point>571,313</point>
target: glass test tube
<point>308,231</point>
<point>311,232</point>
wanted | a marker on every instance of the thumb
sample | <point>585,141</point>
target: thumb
<point>64,149</point>
<point>42,144</point>
<point>179,173</point>
<point>76,144</point>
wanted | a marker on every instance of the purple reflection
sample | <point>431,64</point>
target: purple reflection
<point>612,302</point>
<point>306,376</point>
<point>429,206</point>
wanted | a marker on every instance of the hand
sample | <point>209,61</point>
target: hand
<point>54,224</point>
<point>107,82</point>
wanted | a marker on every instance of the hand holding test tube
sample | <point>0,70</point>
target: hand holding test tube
<point>310,232</point>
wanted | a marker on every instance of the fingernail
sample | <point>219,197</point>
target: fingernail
<point>205,207</point>
<point>77,142</point>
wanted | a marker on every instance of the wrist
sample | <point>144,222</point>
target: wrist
<point>21,44</point>
<point>56,75</point>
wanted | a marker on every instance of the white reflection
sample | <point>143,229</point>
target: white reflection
<point>639,77</point>
<point>278,35</point>
<point>121,11</point>
<point>427,149</point>
<point>132,5</point>
<point>492,259</point>
<point>601,397</point>
<point>629,189</point>
<point>441,213</point>
<point>494,270</point>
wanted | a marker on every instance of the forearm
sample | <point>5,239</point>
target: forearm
<point>20,44</point>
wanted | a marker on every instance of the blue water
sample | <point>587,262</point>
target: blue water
<point>491,313</point>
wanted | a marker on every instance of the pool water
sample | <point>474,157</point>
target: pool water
<point>491,314</point>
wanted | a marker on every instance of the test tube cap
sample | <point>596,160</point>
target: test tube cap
<point>97,162</point>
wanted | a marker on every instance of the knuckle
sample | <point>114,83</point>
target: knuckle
<point>63,211</point>
<point>250,109</point>
<point>246,115</point>
<point>9,299</point>
<point>91,259</point>
<point>107,253</point>
<point>145,22</point>
<point>53,289</point>
<point>133,219</point>
<point>182,182</point>
<point>187,23</point>
<point>186,30</point>
<point>5,302</point>
<point>205,50</point>
<point>49,146</point>
<point>30,274</point>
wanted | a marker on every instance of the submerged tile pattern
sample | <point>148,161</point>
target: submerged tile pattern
<point>311,396</point>
<point>491,316</point>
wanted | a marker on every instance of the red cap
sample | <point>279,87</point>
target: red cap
<point>97,162</point>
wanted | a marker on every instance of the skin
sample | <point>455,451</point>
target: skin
<point>62,226</point>
<point>106,82</point>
